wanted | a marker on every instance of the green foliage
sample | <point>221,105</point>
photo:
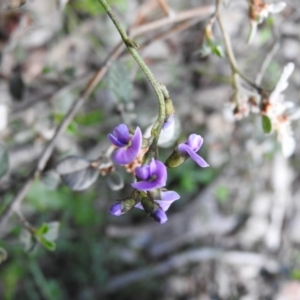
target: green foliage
<point>4,161</point>
<point>10,277</point>
<point>47,234</point>
<point>71,129</point>
<point>119,83</point>
<point>266,124</point>
<point>212,47</point>
<point>216,49</point>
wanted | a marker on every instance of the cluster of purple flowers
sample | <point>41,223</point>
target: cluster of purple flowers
<point>149,191</point>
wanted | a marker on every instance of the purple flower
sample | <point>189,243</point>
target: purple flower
<point>190,148</point>
<point>152,176</point>
<point>116,209</point>
<point>129,146</point>
<point>165,201</point>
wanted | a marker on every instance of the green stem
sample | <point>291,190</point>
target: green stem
<point>132,47</point>
<point>231,58</point>
<point>229,51</point>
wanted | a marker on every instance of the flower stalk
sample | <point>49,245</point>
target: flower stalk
<point>132,48</point>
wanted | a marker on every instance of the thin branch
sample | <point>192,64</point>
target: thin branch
<point>198,12</point>
<point>231,57</point>
<point>165,7</point>
<point>228,47</point>
<point>266,63</point>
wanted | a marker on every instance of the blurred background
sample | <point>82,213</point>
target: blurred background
<point>234,233</point>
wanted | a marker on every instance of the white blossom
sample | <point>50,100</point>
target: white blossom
<point>277,112</point>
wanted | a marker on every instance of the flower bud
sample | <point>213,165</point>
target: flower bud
<point>176,159</point>
<point>149,205</point>
<point>154,210</point>
<point>122,207</point>
<point>116,209</point>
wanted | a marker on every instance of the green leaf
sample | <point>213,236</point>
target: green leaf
<point>52,233</point>
<point>4,161</point>
<point>42,230</point>
<point>47,244</point>
<point>119,83</point>
<point>47,234</point>
<point>217,49</point>
<point>266,124</point>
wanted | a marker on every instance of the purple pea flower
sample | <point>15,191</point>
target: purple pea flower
<point>192,146</point>
<point>152,176</point>
<point>129,146</point>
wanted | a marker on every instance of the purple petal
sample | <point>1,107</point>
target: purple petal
<point>158,169</point>
<point>168,197</point>
<point>136,141</point>
<point>147,186</point>
<point>195,141</point>
<point>124,156</point>
<point>116,209</point>
<point>143,172</point>
<point>115,141</point>
<point>194,156</point>
<point>153,176</point>
<point>121,132</point>
<point>160,216</point>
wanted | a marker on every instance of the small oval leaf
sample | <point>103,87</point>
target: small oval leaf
<point>119,83</point>
<point>266,124</point>
<point>77,173</point>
